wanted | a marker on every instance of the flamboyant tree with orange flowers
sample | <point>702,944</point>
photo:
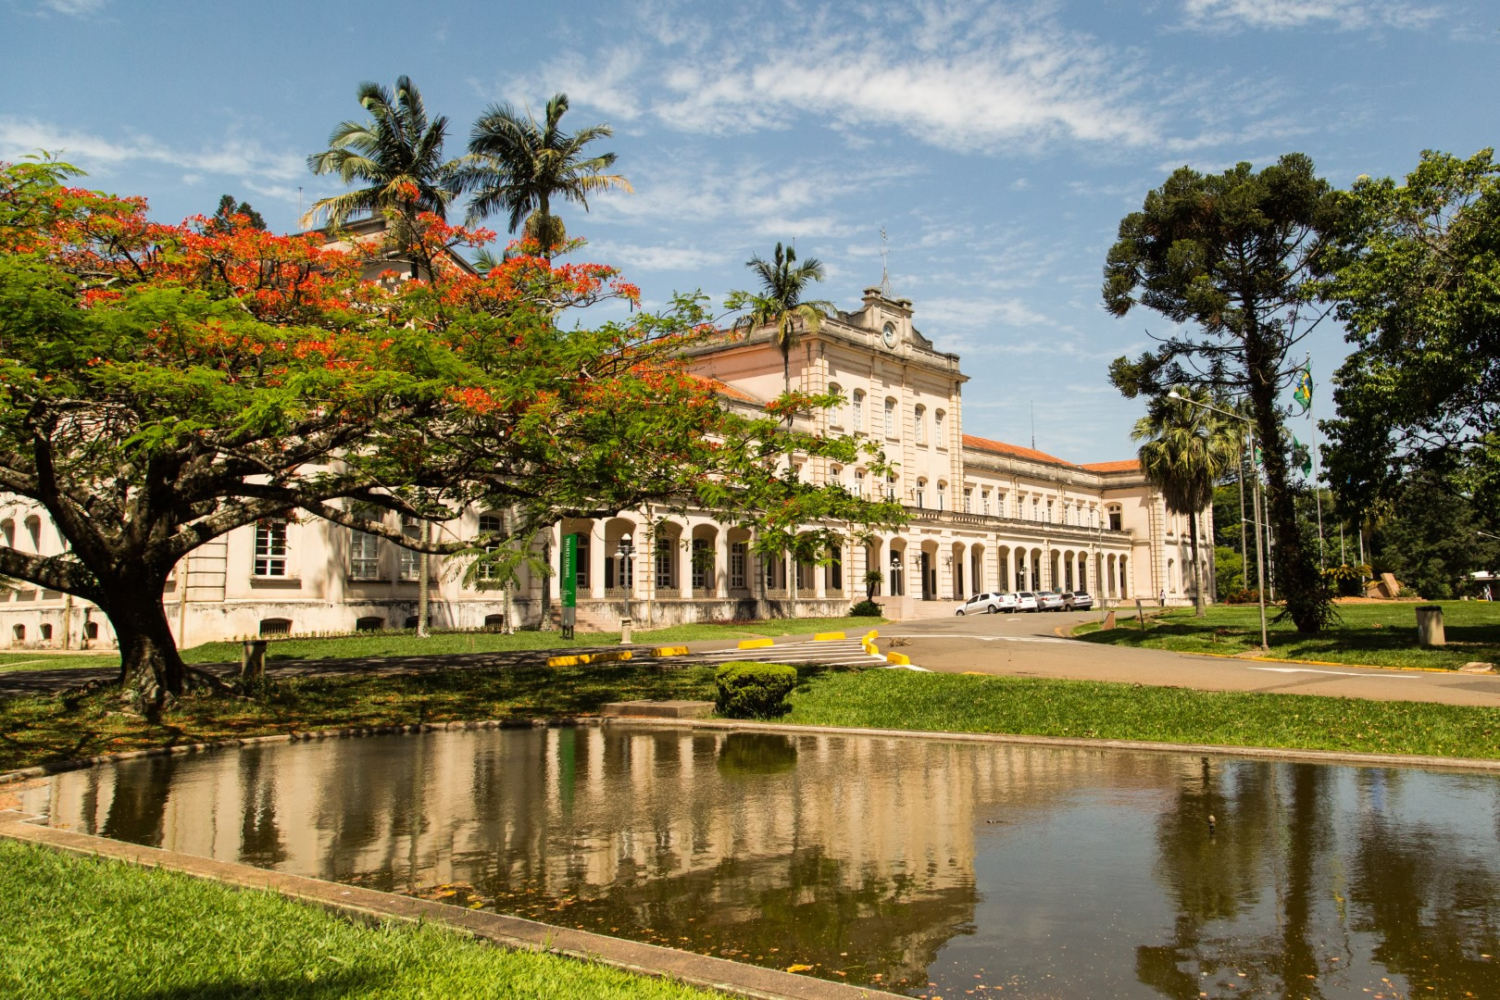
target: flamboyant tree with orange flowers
<point>162,385</point>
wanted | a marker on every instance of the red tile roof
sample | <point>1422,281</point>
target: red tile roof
<point>1001,448</point>
<point>725,389</point>
<point>1126,465</point>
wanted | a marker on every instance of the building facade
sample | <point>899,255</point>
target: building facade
<point>984,515</point>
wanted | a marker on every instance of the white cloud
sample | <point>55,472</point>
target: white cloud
<point>1343,15</point>
<point>953,75</point>
<point>75,8</point>
<point>231,156</point>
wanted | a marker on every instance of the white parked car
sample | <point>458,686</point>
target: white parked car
<point>987,604</point>
<point>1049,600</point>
<point>1025,601</point>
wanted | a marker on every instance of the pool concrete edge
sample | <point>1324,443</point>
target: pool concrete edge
<point>1349,758</point>
<point>704,971</point>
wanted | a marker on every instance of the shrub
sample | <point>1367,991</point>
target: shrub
<point>865,609</point>
<point>1242,596</point>
<point>753,690</point>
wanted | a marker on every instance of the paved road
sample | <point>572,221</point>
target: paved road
<point>1028,645</point>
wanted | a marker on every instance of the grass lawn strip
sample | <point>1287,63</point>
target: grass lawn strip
<point>88,927</point>
<point>399,644</point>
<point>1382,635</point>
<point>50,731</point>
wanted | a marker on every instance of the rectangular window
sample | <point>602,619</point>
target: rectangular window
<point>969,500</point>
<point>665,564</point>
<point>364,556</point>
<point>409,563</point>
<point>737,565</point>
<point>703,560</point>
<point>858,407</point>
<point>890,418</point>
<point>270,547</point>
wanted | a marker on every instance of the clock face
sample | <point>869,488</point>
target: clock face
<point>889,335</point>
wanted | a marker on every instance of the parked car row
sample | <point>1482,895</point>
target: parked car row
<point>1026,600</point>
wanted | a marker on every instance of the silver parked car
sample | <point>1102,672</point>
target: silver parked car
<point>1026,601</point>
<point>987,604</point>
<point>1049,600</point>
<point>1077,600</point>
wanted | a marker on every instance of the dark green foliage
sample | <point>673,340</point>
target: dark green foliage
<point>753,690</point>
<point>1238,254</point>
<point>1416,291</point>
<point>865,609</point>
<point>1430,538</point>
<point>224,219</point>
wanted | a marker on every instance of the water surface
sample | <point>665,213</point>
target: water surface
<point>925,866</point>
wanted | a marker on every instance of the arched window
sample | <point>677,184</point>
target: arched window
<point>921,492</point>
<point>890,416</point>
<point>919,424</point>
<point>34,529</point>
<point>937,429</point>
<point>1116,518</point>
<point>836,411</point>
<point>857,406</point>
<point>942,495</point>
<point>703,563</point>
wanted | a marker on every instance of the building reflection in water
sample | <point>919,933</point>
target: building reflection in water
<point>895,862</point>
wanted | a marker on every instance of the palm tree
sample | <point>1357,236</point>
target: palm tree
<point>517,164</point>
<point>779,302</point>
<point>1187,448</point>
<point>397,154</point>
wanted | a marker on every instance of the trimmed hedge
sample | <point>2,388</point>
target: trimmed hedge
<point>753,690</point>
<point>865,609</point>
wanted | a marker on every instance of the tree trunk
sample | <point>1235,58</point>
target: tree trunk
<point>152,673</point>
<point>1296,576</point>
<point>1199,609</point>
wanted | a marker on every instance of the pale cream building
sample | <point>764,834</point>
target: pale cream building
<point>984,515</point>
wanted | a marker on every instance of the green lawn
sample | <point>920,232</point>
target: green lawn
<point>1378,634</point>
<point>902,699</point>
<point>56,661</point>
<point>38,730</point>
<point>376,644</point>
<point>85,927</point>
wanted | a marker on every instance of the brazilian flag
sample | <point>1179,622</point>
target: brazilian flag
<point>1303,393</point>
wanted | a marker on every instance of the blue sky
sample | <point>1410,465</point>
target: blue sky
<point>997,144</point>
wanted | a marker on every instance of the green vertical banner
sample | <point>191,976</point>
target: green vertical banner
<point>570,571</point>
<point>569,584</point>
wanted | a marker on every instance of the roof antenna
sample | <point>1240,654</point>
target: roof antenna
<point>885,274</point>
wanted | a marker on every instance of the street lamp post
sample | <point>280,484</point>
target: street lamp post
<point>1260,561</point>
<point>627,546</point>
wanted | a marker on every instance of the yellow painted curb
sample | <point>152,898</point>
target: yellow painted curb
<point>899,659</point>
<point>755,643</point>
<point>670,651</point>
<point>582,658</point>
<point>871,635</point>
<point>827,636</point>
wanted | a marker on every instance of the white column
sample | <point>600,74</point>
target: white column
<point>721,563</point>
<point>597,555</point>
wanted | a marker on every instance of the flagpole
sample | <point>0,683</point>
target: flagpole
<point>1317,490</point>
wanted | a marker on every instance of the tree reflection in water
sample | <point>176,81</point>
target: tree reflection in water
<point>896,862</point>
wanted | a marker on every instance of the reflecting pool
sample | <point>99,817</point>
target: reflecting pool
<point>923,866</point>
